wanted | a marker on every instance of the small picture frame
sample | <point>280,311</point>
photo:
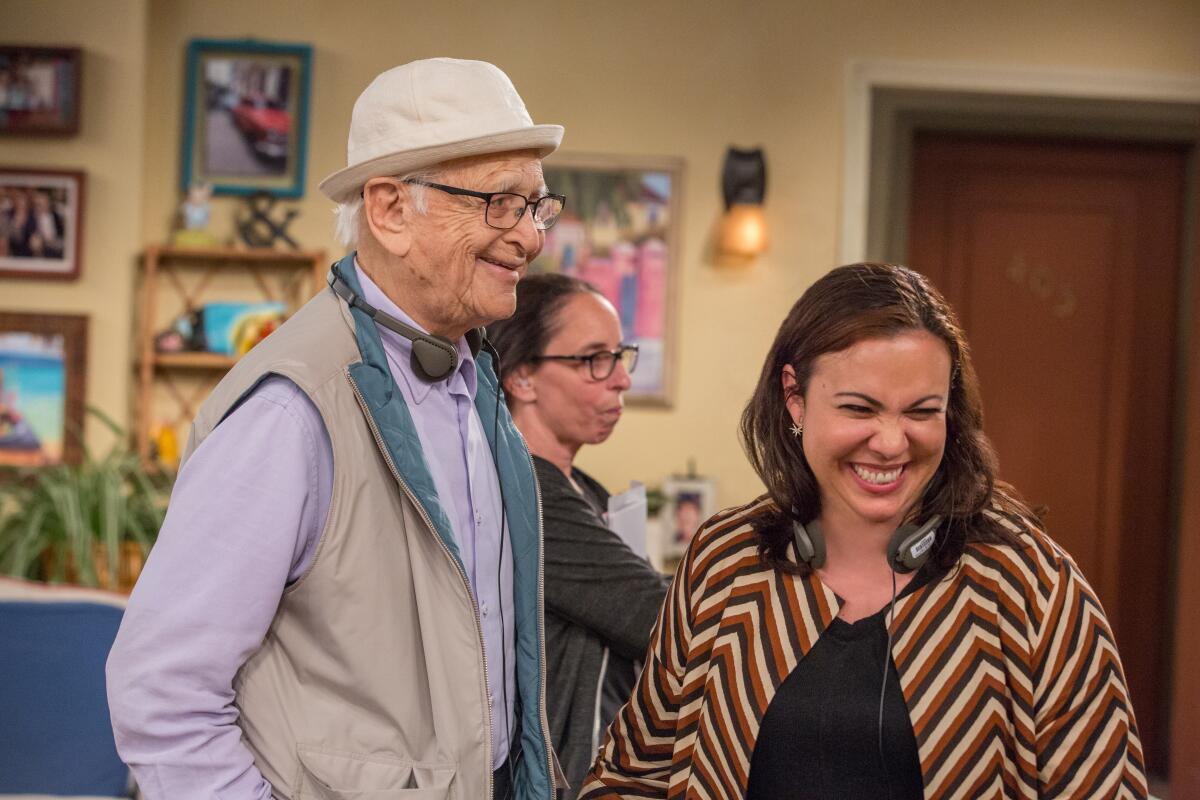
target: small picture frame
<point>39,90</point>
<point>246,116</point>
<point>689,502</point>
<point>41,223</point>
<point>43,366</point>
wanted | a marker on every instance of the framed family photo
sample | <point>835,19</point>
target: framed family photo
<point>39,90</point>
<point>246,116</point>
<point>43,359</point>
<point>41,223</point>
<point>620,231</point>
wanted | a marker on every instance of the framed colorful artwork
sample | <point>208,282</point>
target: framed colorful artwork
<point>39,90</point>
<point>620,231</point>
<point>43,364</point>
<point>246,116</point>
<point>41,223</point>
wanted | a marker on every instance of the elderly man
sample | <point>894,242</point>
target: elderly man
<point>345,598</point>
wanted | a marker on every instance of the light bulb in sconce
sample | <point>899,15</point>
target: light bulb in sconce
<point>743,187</point>
<point>744,230</point>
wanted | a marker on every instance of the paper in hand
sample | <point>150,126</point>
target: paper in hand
<point>627,517</point>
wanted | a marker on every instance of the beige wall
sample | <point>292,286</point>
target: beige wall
<point>625,76</point>
<point>109,149</point>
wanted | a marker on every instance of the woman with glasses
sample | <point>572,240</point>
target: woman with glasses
<point>564,369</point>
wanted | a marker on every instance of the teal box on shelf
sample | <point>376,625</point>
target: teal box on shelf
<point>233,328</point>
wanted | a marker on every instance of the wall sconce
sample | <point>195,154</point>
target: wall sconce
<point>743,186</point>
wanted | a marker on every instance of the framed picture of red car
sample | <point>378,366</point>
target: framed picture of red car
<point>246,126</point>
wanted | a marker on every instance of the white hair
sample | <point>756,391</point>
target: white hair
<point>349,223</point>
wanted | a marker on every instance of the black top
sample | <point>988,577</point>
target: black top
<point>820,735</point>
<point>601,602</point>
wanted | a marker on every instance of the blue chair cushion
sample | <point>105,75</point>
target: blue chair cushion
<point>55,733</point>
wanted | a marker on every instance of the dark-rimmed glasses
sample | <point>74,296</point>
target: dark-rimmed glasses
<point>602,363</point>
<point>505,209</point>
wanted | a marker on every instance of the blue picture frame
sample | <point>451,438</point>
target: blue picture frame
<point>246,112</point>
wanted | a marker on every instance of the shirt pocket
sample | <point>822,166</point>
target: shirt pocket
<point>336,775</point>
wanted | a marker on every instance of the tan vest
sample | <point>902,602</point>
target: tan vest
<point>370,681</point>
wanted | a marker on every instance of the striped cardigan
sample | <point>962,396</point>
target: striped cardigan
<point>1007,665</point>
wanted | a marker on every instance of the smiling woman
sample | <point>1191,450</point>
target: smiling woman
<point>889,620</point>
<point>876,422</point>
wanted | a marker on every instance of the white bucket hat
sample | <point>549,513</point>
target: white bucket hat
<point>426,112</point>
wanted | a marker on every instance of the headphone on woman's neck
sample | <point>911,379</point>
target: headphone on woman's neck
<point>433,357</point>
<point>908,549</point>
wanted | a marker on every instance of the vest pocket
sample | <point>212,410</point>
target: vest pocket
<point>335,775</point>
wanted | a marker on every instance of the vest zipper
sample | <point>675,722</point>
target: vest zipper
<point>387,457</point>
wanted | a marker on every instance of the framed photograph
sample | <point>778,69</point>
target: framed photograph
<point>620,232</point>
<point>39,90</point>
<point>246,116</point>
<point>43,360</point>
<point>41,223</point>
<point>689,503</point>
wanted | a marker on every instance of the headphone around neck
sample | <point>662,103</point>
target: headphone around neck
<point>908,549</point>
<point>433,357</point>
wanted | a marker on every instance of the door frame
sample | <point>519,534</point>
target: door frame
<point>886,100</point>
<point>943,87</point>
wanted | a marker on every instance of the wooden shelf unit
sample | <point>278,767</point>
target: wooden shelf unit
<point>289,276</point>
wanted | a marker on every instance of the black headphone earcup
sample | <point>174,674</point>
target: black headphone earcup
<point>433,360</point>
<point>433,357</point>
<point>810,544</point>
<point>911,545</point>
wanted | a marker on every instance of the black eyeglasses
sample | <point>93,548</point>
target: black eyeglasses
<point>602,364</point>
<point>505,209</point>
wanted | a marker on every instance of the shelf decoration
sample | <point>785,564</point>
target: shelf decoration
<point>194,215</point>
<point>201,309</point>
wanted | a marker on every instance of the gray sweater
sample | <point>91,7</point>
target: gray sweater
<point>602,601</point>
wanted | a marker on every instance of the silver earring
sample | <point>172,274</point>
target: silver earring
<point>798,430</point>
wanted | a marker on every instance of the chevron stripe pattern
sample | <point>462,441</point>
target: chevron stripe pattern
<point>1007,664</point>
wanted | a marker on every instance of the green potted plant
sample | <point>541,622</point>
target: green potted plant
<point>90,524</point>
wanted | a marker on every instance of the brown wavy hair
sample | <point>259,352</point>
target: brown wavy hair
<point>846,306</point>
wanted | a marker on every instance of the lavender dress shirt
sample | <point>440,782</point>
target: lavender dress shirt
<point>244,520</point>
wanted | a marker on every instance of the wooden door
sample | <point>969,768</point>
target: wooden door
<point>1062,260</point>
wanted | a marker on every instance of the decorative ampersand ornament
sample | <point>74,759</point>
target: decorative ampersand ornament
<point>259,229</point>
